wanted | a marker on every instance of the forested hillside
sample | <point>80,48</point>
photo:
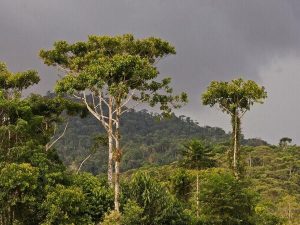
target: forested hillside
<point>148,140</point>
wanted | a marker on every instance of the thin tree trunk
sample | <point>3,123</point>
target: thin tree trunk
<point>197,197</point>
<point>250,160</point>
<point>117,157</point>
<point>236,141</point>
<point>289,212</point>
<point>235,145</point>
<point>110,161</point>
<point>110,146</point>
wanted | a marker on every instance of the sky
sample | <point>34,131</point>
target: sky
<point>214,40</point>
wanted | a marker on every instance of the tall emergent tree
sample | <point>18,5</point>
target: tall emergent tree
<point>235,98</point>
<point>111,75</point>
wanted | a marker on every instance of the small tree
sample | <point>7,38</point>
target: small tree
<point>283,143</point>
<point>197,155</point>
<point>235,98</point>
<point>119,73</point>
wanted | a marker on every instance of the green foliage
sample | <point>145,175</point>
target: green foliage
<point>36,155</point>
<point>197,155</point>
<point>18,191</point>
<point>235,95</point>
<point>83,199</point>
<point>181,185</point>
<point>112,218</point>
<point>275,174</point>
<point>66,205</point>
<point>132,214</point>
<point>33,119</point>
<point>17,184</point>
<point>289,209</point>
<point>159,206</point>
<point>98,195</point>
<point>28,170</point>
<point>11,84</point>
<point>117,64</point>
<point>148,193</point>
<point>225,200</point>
<point>264,217</point>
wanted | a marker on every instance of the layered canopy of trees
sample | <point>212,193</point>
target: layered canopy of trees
<point>54,161</point>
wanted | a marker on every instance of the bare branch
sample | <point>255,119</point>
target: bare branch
<point>93,100</point>
<point>78,97</point>
<point>83,163</point>
<point>95,114</point>
<point>49,145</point>
<point>102,99</point>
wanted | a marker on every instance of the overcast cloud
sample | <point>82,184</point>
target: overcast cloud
<point>215,40</point>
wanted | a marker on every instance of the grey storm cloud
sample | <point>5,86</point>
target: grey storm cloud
<point>214,39</point>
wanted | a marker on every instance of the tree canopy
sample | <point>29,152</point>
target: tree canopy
<point>237,95</point>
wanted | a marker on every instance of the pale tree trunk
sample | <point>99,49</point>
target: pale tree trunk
<point>289,212</point>
<point>236,137</point>
<point>235,146</point>
<point>110,161</point>
<point>110,145</point>
<point>197,197</point>
<point>117,157</point>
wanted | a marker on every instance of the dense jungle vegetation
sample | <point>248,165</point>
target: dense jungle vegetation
<point>84,156</point>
